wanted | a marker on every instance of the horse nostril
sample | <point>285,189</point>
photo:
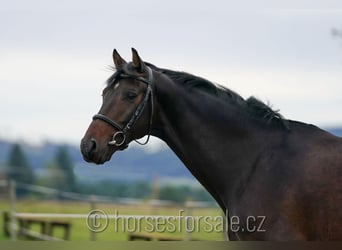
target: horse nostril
<point>88,148</point>
<point>92,146</point>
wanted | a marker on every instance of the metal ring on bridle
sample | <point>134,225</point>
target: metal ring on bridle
<point>114,140</point>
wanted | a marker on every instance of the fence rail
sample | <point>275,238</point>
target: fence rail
<point>49,219</point>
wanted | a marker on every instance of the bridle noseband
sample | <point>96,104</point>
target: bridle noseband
<point>116,140</point>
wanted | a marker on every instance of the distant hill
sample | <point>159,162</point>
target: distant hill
<point>336,131</point>
<point>129,165</point>
<point>135,164</point>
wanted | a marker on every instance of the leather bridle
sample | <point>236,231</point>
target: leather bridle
<point>116,141</point>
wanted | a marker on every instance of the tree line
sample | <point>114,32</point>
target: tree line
<point>60,176</point>
<point>60,170</point>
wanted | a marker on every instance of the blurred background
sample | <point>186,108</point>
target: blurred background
<point>54,59</point>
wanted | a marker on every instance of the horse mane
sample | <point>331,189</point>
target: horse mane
<point>254,106</point>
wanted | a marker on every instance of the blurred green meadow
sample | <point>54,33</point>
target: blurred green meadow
<point>114,232</point>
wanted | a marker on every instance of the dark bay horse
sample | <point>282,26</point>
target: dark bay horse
<point>276,179</point>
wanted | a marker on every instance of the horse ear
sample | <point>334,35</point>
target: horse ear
<point>118,60</point>
<point>137,62</point>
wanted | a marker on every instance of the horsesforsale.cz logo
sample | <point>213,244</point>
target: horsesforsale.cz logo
<point>97,221</point>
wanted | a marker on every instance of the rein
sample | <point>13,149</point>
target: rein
<point>119,137</point>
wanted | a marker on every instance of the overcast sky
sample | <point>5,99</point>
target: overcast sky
<point>54,56</point>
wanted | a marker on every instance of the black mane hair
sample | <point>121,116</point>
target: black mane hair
<point>254,106</point>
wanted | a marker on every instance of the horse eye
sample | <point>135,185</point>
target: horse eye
<point>131,96</point>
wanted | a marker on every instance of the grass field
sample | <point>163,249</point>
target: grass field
<point>201,229</point>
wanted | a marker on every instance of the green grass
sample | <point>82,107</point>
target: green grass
<point>80,231</point>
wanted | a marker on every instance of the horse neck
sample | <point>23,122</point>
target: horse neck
<point>210,138</point>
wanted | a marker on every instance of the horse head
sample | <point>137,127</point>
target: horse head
<point>124,115</point>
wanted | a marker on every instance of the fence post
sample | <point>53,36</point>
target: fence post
<point>188,214</point>
<point>92,208</point>
<point>12,196</point>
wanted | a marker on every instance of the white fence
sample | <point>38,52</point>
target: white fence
<point>14,217</point>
